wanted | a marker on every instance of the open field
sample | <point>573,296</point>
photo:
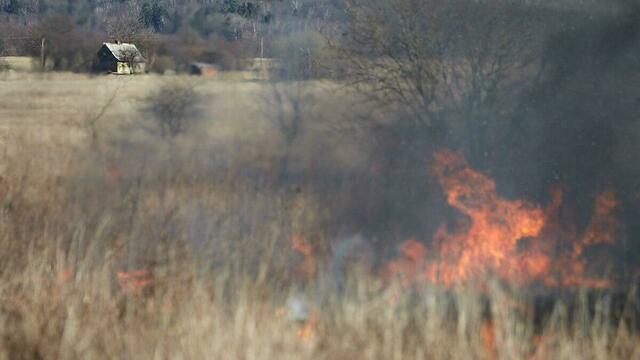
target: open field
<point>18,63</point>
<point>119,244</point>
<point>52,110</point>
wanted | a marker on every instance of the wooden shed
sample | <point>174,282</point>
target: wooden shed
<point>203,69</point>
<point>121,58</point>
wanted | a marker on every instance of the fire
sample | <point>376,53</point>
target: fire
<point>112,174</point>
<point>308,265</point>
<point>488,336</point>
<point>601,230</point>
<point>496,225</point>
<point>603,223</point>
<point>63,277</point>
<point>411,266</point>
<point>134,281</point>
<point>307,331</point>
<point>515,240</point>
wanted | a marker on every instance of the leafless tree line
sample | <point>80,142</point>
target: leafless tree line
<point>436,57</point>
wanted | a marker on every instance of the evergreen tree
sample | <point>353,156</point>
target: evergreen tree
<point>12,7</point>
<point>153,16</point>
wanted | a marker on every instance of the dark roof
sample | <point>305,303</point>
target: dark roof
<point>125,52</point>
<point>202,65</point>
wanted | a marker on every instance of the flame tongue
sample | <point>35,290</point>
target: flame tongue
<point>515,240</point>
<point>490,241</point>
<point>601,230</point>
<point>308,266</point>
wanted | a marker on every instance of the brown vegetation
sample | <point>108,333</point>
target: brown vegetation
<point>111,251</point>
<point>463,187</point>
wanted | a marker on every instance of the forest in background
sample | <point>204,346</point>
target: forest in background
<point>171,34</point>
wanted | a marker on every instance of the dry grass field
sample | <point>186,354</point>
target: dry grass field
<point>52,110</point>
<point>118,244</point>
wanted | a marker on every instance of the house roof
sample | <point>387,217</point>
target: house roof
<point>125,52</point>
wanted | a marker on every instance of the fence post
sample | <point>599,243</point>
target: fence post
<point>42,60</point>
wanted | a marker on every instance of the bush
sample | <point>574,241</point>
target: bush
<point>173,107</point>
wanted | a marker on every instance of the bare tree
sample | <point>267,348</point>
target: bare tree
<point>91,123</point>
<point>436,58</point>
<point>286,103</point>
<point>173,107</point>
<point>124,26</point>
<point>132,58</point>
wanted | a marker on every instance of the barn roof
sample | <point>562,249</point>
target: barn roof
<point>125,52</point>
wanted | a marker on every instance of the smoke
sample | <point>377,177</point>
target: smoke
<point>573,125</point>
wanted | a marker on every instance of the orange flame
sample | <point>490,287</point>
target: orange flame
<point>308,330</point>
<point>64,277</point>
<point>112,174</point>
<point>514,240</point>
<point>488,336</point>
<point>305,330</point>
<point>411,266</point>
<point>308,266</point>
<point>601,230</point>
<point>496,225</point>
<point>134,281</point>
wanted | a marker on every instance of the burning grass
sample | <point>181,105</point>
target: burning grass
<point>103,260</point>
<point>87,288</point>
<point>92,313</point>
<point>489,240</point>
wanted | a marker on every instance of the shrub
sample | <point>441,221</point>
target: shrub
<point>173,107</point>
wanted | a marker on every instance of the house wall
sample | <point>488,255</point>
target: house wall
<point>124,68</point>
<point>209,72</point>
